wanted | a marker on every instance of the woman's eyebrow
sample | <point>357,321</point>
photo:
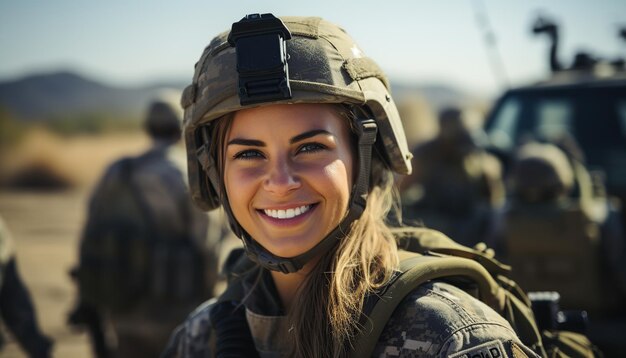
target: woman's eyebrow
<point>309,134</point>
<point>295,139</point>
<point>248,142</point>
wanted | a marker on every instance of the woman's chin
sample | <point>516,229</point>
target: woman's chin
<point>290,250</point>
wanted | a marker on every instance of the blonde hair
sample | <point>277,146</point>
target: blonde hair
<point>334,292</point>
<point>330,302</point>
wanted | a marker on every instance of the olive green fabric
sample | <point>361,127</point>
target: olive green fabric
<point>417,270</point>
<point>436,257</point>
<point>541,172</point>
<point>569,344</point>
<point>556,247</point>
<point>554,228</point>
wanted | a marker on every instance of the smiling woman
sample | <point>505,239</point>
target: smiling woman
<point>288,191</point>
<point>294,132</point>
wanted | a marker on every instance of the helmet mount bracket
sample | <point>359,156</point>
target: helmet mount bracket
<point>261,47</point>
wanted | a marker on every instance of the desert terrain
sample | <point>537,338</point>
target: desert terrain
<point>46,223</point>
<point>45,228</point>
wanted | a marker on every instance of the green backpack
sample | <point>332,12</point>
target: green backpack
<point>429,255</point>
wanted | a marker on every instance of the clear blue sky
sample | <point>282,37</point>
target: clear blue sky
<point>128,42</point>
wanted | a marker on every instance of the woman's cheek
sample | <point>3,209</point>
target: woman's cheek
<point>337,173</point>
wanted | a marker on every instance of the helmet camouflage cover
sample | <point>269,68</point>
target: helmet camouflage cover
<point>324,66</point>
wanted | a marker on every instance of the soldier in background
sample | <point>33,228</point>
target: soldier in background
<point>16,308</point>
<point>419,120</point>
<point>456,186</point>
<point>561,233</point>
<point>146,256</point>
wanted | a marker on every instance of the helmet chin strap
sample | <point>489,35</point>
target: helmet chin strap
<point>367,130</point>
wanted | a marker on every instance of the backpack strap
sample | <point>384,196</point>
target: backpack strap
<point>415,270</point>
<point>233,337</point>
<point>128,167</point>
<point>236,267</point>
<point>427,255</point>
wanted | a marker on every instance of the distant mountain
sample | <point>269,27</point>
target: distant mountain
<point>437,95</point>
<point>56,95</point>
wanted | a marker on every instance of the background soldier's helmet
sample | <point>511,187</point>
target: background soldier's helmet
<point>162,121</point>
<point>455,132</point>
<point>542,172</point>
<point>323,65</point>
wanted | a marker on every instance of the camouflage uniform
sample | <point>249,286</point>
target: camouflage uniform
<point>436,320</point>
<point>16,308</point>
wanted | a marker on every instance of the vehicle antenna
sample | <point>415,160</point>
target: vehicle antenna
<point>491,44</point>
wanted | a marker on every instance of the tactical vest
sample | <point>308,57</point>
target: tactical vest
<point>427,255</point>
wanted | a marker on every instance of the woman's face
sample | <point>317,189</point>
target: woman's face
<point>288,174</point>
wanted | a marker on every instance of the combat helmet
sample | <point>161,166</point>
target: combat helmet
<point>542,173</point>
<point>162,121</point>
<point>267,60</point>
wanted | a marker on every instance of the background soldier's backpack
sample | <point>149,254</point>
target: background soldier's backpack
<point>430,255</point>
<point>557,247</point>
<point>125,261</point>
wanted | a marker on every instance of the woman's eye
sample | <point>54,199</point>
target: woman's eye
<point>248,154</point>
<point>311,147</point>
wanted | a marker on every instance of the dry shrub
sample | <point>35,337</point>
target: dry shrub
<point>44,160</point>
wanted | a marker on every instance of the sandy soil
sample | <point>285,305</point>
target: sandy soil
<point>45,228</point>
<point>46,225</point>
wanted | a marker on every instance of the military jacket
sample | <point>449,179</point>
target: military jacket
<point>435,320</point>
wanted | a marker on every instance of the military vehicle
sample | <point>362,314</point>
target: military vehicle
<point>585,101</point>
<point>582,108</point>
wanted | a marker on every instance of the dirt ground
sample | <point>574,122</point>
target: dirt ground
<point>45,229</point>
<point>46,225</point>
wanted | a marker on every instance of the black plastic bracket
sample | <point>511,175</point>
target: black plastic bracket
<point>260,42</point>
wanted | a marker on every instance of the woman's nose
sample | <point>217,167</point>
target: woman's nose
<point>281,178</point>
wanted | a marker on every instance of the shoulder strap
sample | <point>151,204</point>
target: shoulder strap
<point>430,255</point>
<point>128,166</point>
<point>416,270</point>
<point>173,179</point>
<point>236,266</point>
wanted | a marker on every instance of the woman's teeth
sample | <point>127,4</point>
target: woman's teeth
<point>287,214</point>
